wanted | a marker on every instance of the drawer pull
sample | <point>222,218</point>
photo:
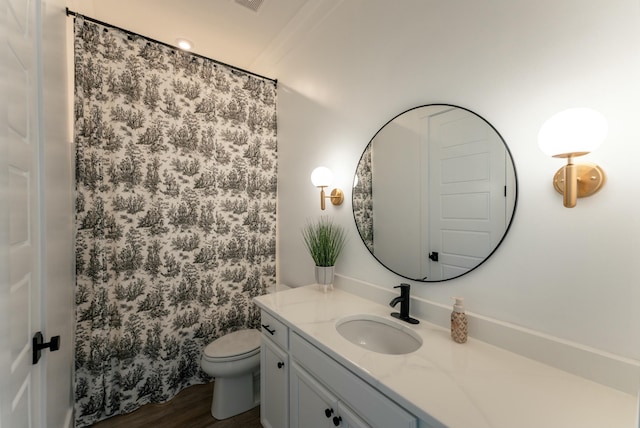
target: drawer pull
<point>337,420</point>
<point>266,327</point>
<point>328,412</point>
<point>280,364</point>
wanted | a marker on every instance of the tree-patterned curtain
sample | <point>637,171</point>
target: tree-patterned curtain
<point>175,214</point>
<point>363,198</point>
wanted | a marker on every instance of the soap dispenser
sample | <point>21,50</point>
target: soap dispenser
<point>458,322</point>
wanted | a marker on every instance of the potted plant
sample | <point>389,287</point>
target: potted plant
<point>324,240</point>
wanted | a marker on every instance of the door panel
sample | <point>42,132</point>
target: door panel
<point>20,245</point>
<point>467,169</point>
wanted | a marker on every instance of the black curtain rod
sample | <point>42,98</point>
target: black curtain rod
<point>131,33</point>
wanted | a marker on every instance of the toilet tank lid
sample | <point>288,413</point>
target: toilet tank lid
<point>236,343</point>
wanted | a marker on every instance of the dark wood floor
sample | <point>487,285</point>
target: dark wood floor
<point>191,408</point>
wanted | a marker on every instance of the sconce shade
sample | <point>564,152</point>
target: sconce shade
<point>572,132</point>
<point>321,177</point>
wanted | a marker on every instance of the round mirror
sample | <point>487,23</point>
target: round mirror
<point>434,193</point>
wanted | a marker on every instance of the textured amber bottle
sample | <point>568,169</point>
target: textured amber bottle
<point>458,322</point>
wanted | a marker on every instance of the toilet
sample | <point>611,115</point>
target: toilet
<point>234,361</point>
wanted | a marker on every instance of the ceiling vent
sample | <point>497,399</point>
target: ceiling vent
<point>254,5</point>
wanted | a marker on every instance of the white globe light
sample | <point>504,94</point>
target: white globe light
<point>321,177</point>
<point>572,131</point>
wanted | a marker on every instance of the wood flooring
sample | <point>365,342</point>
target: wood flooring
<point>191,408</point>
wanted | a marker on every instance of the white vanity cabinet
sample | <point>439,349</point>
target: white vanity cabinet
<point>304,387</point>
<point>274,373</point>
<point>442,384</point>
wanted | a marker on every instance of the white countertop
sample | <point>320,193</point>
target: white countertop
<point>471,385</point>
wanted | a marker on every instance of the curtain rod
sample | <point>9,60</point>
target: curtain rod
<point>76,14</point>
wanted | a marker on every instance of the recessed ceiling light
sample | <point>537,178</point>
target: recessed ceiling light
<point>184,44</point>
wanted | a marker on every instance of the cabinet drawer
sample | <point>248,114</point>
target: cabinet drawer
<point>375,408</point>
<point>275,330</point>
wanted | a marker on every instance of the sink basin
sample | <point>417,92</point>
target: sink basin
<point>378,334</point>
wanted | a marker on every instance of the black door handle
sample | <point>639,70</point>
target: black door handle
<point>434,256</point>
<point>280,364</point>
<point>38,345</point>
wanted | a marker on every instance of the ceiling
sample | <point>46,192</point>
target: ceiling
<point>224,30</point>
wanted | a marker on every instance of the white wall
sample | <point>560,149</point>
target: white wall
<point>58,200</point>
<point>395,159</point>
<point>571,273</point>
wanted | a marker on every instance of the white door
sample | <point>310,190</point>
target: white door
<point>467,192</point>
<point>32,271</point>
<point>21,203</point>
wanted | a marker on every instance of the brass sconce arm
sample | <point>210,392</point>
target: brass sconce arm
<point>336,197</point>
<point>571,133</point>
<point>578,181</point>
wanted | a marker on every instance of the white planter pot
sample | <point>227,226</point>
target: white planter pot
<point>324,274</point>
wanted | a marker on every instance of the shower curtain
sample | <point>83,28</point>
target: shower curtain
<point>175,214</point>
<point>363,198</point>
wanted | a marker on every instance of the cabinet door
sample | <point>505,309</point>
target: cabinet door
<point>368,403</point>
<point>349,419</point>
<point>312,406</point>
<point>274,386</point>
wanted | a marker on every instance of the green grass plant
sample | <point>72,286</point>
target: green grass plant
<point>324,240</point>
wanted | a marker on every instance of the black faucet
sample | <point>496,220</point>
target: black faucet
<point>403,299</point>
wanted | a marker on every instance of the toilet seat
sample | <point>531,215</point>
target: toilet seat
<point>233,346</point>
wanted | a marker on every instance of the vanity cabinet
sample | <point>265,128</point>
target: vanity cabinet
<point>442,384</point>
<point>304,387</point>
<point>274,373</point>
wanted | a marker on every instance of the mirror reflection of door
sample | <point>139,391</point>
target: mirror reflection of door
<point>467,198</point>
<point>434,179</point>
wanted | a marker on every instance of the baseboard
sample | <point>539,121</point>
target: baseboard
<point>605,368</point>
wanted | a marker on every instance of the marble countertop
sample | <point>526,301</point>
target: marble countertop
<point>449,384</point>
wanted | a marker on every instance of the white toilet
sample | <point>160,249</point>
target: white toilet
<point>234,361</point>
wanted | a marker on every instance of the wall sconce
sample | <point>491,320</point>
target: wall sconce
<point>569,134</point>
<point>323,177</point>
